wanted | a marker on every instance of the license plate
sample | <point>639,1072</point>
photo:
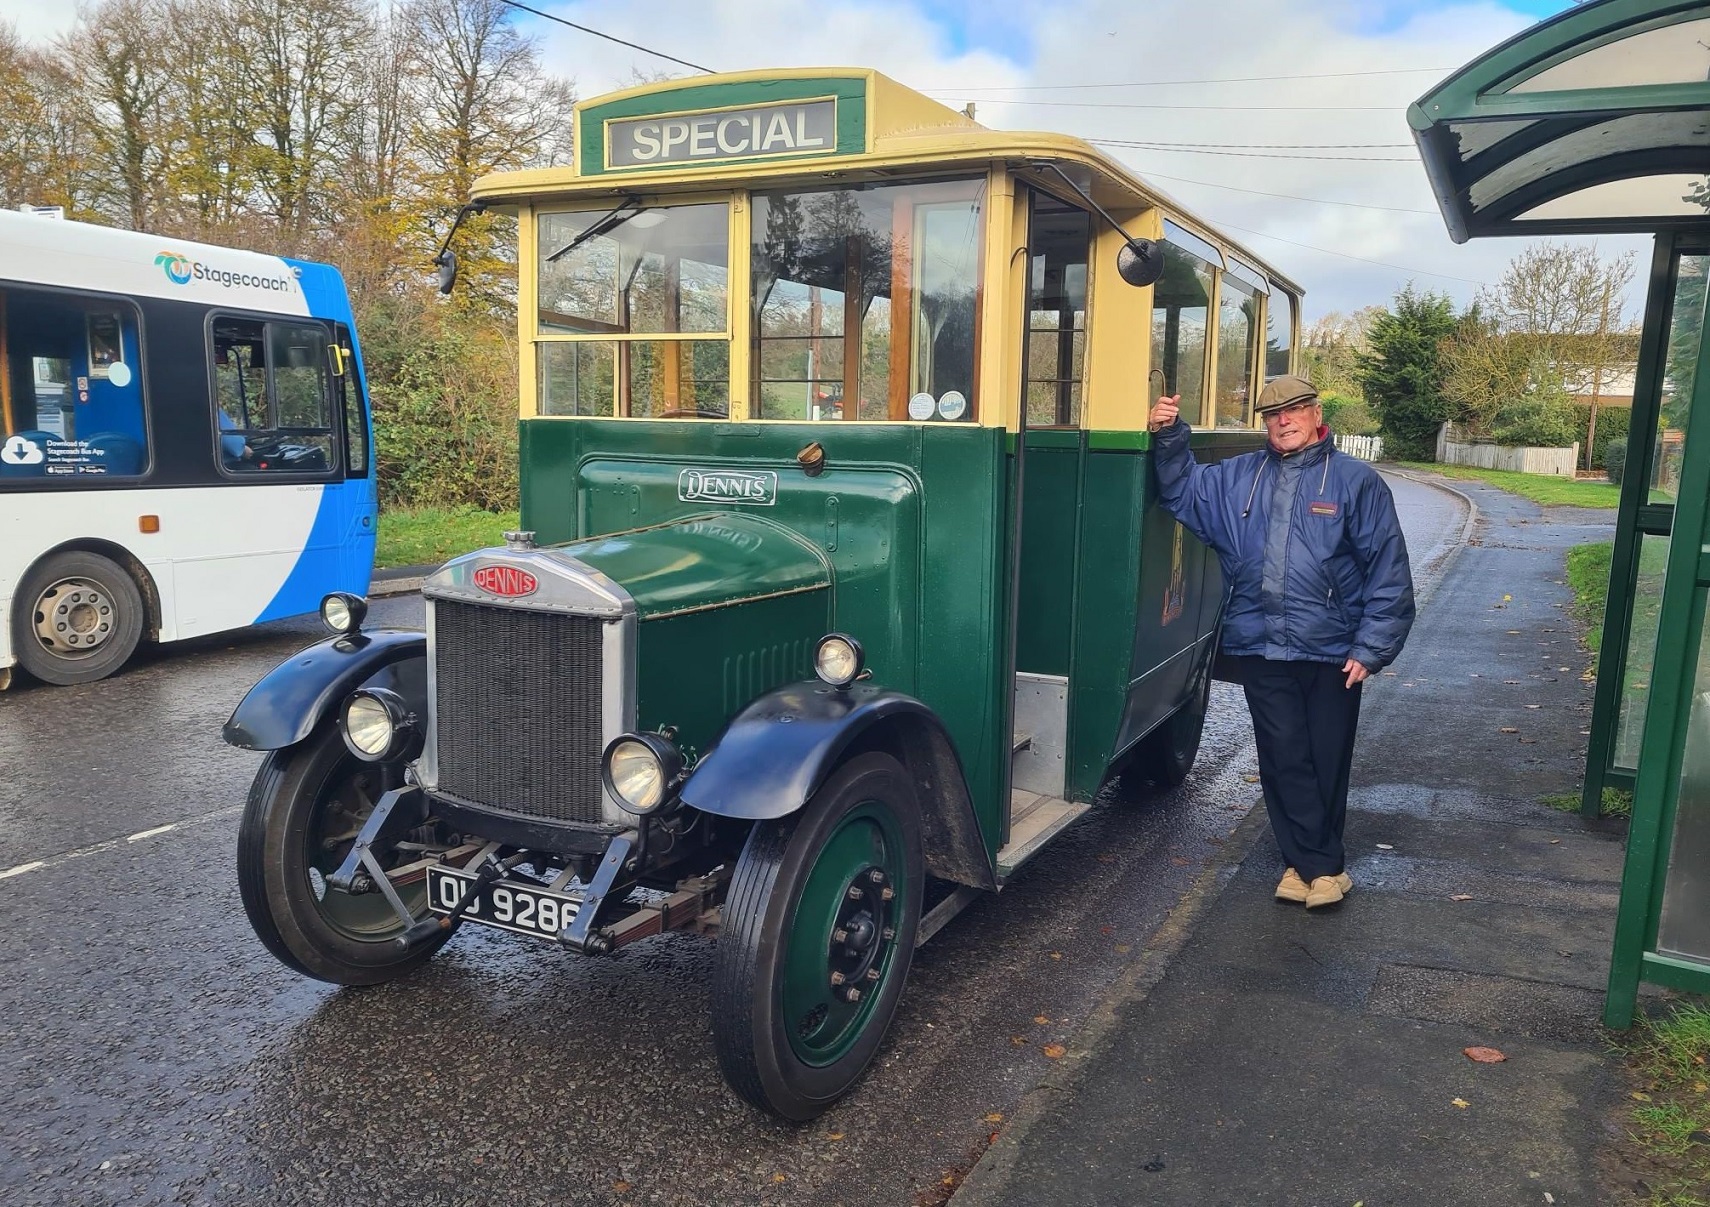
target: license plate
<point>506,905</point>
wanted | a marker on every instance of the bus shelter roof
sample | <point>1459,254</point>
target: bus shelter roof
<point>1597,120</point>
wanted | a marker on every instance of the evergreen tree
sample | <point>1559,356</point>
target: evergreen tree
<point>1401,372</point>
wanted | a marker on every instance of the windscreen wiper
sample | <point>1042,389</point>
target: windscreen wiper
<point>626,209</point>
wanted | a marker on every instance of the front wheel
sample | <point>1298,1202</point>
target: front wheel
<point>305,808</point>
<point>78,617</point>
<point>819,929</point>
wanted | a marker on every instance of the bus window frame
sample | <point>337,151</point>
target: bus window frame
<point>1279,289</point>
<point>352,386</point>
<point>532,336</point>
<point>91,481</point>
<point>336,467</point>
<point>1082,420</point>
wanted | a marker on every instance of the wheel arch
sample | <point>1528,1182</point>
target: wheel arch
<point>120,556</point>
<point>777,752</point>
<point>292,699</point>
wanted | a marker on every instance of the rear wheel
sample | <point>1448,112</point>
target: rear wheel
<point>819,929</point>
<point>1165,756</point>
<point>77,618</point>
<point>305,808</point>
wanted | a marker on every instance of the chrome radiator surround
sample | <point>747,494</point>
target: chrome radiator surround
<point>565,587</point>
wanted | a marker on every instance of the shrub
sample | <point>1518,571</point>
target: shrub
<point>1538,421</point>
<point>1401,375</point>
<point>1348,416</point>
<point>1615,459</point>
<point>1612,424</point>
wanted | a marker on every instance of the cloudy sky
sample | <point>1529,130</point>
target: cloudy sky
<point>1352,225</point>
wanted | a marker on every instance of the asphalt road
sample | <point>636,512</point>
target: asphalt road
<point>151,1051</point>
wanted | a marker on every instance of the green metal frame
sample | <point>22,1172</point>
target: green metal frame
<point>1656,794</point>
<point>1635,520</point>
<point>1480,91</point>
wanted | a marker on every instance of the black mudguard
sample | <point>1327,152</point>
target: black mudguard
<point>299,693</point>
<point>778,751</point>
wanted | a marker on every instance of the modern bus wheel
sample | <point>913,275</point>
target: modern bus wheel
<point>77,618</point>
<point>818,935</point>
<point>1165,756</point>
<point>305,808</point>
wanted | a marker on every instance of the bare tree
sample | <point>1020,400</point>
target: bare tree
<point>125,81</point>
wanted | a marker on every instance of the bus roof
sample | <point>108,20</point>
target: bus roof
<point>755,128</point>
<point>80,255</point>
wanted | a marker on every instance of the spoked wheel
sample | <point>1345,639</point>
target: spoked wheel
<point>305,809</point>
<point>819,928</point>
<point>1166,755</point>
<point>78,617</point>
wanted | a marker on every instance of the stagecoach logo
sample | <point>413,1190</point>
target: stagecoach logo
<point>181,270</point>
<point>176,267</point>
<point>506,580</point>
<point>750,488</point>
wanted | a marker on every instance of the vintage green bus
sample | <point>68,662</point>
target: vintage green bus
<point>845,585</point>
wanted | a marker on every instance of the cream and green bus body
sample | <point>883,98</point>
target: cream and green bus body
<point>803,354</point>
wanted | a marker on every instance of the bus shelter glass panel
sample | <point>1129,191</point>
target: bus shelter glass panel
<point>1059,239</point>
<point>865,301</point>
<point>634,312</point>
<point>1683,927</point>
<point>1181,315</point>
<point>1279,330</point>
<point>1662,482</point>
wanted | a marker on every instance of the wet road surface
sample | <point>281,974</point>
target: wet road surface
<point>151,1051</point>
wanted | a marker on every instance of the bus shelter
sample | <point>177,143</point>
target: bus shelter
<point>1597,121</point>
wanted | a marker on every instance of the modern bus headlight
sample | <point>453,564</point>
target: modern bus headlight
<point>378,726</point>
<point>838,659</point>
<point>640,770</point>
<point>343,613</point>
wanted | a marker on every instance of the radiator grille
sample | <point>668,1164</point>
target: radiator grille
<point>517,720</point>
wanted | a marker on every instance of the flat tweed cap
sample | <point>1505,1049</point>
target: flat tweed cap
<point>1285,391</point>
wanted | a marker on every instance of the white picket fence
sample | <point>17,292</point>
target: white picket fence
<point>1555,462</point>
<point>1365,448</point>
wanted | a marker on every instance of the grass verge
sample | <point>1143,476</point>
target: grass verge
<point>1588,579</point>
<point>1617,802</point>
<point>1671,1118</point>
<point>1547,489</point>
<point>430,535</point>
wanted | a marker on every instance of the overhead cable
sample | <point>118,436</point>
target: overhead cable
<point>1358,205</point>
<point>1362,259</point>
<point>1182,150</point>
<point>658,54</point>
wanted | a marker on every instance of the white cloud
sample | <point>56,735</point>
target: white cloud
<point>38,20</point>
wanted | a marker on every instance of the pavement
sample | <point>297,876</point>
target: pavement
<point>1259,1054</point>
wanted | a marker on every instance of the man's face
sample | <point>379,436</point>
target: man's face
<point>1293,428</point>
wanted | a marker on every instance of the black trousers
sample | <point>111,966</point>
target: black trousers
<point>1304,720</point>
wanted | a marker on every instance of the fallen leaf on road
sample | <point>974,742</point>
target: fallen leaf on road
<point>834,1135</point>
<point>1555,842</point>
<point>1641,1097</point>
<point>780,1177</point>
<point>1123,949</point>
<point>1384,846</point>
<point>995,1117</point>
<point>1534,706</point>
<point>1041,1019</point>
<point>1508,729</point>
<point>621,1187</point>
<point>1460,1102</point>
<point>1055,1051</point>
<point>1484,1056</point>
<point>1461,897</point>
<point>1110,930</point>
<point>1251,779</point>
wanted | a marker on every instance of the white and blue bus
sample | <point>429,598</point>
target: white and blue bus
<point>185,444</point>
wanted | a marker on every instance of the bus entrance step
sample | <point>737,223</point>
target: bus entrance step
<point>1034,821</point>
<point>1022,741</point>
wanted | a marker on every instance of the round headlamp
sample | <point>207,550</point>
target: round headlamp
<point>343,613</point>
<point>378,726</point>
<point>838,659</point>
<point>640,771</point>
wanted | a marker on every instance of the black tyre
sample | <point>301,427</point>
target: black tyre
<point>305,808</point>
<point>1165,756</point>
<point>77,618</point>
<point>818,935</point>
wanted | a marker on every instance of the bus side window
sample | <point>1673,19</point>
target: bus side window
<point>273,397</point>
<point>71,394</point>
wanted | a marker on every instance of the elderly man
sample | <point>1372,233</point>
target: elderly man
<point>1318,596</point>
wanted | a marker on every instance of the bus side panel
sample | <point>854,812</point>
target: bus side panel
<point>912,518</point>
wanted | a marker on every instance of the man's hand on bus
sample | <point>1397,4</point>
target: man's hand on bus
<point>1356,672</point>
<point>1164,412</point>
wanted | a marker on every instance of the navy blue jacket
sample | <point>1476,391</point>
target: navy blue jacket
<point>1335,584</point>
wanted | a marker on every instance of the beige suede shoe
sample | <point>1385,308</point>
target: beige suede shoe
<point>1291,887</point>
<point>1327,890</point>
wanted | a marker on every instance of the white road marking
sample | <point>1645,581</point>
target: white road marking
<point>37,865</point>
